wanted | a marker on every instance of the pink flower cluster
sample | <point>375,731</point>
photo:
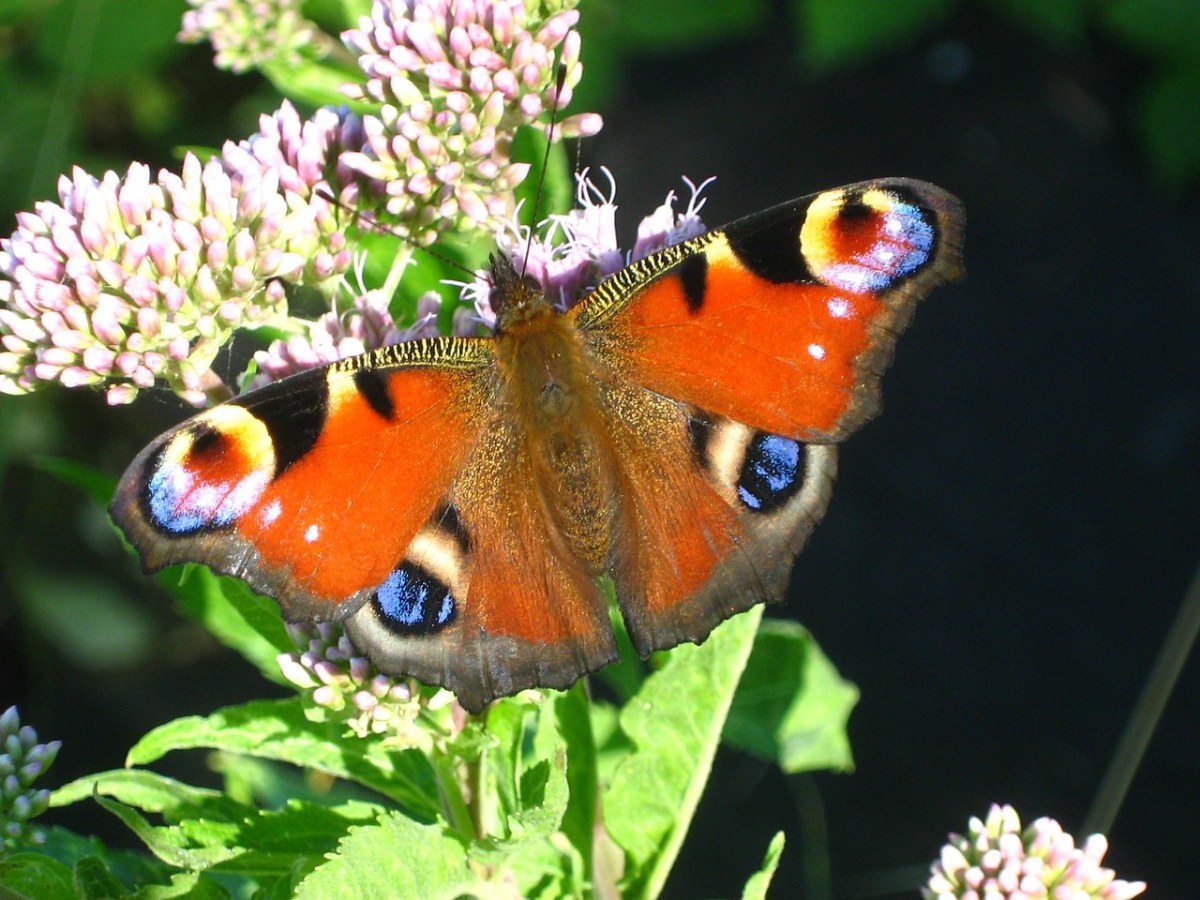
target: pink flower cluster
<point>453,80</point>
<point>248,33</point>
<point>130,278</point>
<point>996,860</point>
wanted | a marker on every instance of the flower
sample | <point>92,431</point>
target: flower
<point>346,686</point>
<point>129,278</point>
<point>249,34</point>
<point>454,79</point>
<point>997,860</point>
<point>22,761</point>
<point>579,249</point>
<point>366,325</point>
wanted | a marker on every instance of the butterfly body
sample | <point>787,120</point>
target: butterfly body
<point>453,501</point>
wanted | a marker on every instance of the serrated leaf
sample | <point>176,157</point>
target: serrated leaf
<point>675,724</point>
<point>791,706</point>
<point>34,876</point>
<point>173,844</point>
<point>756,886</point>
<point>397,857</point>
<point>839,32</point>
<point>278,730</point>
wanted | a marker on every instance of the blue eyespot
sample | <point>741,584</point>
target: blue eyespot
<point>771,472</point>
<point>412,601</point>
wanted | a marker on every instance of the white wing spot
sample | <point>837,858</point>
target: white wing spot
<point>312,533</point>
<point>839,307</point>
<point>816,351</point>
<point>272,512</point>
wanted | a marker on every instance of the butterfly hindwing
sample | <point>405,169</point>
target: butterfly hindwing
<point>528,610</point>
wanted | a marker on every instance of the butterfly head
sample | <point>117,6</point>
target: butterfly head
<point>516,298</point>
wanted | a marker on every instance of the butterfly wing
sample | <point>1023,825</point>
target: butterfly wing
<point>312,488</point>
<point>797,308</point>
<point>732,361</point>
<point>389,491</point>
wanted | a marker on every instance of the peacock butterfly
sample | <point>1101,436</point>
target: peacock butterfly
<point>453,501</point>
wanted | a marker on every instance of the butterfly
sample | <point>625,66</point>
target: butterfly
<point>456,502</point>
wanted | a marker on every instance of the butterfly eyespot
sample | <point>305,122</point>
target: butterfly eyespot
<point>413,601</point>
<point>771,472</point>
<point>209,474</point>
<point>865,242</point>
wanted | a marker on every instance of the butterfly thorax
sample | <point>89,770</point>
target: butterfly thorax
<point>550,395</point>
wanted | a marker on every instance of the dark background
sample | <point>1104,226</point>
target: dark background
<point>1007,545</point>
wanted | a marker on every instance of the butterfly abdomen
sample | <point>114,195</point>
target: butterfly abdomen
<point>550,393</point>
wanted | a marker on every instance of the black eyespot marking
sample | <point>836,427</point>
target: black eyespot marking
<point>693,275</point>
<point>293,411</point>
<point>771,473</point>
<point>448,520</point>
<point>853,209</point>
<point>700,427</point>
<point>768,243</point>
<point>413,602</point>
<point>206,441</point>
<point>373,388</point>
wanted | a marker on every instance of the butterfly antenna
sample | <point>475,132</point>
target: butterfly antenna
<point>560,79</point>
<point>368,222</point>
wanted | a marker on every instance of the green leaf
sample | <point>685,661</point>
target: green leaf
<point>791,706</point>
<point>1169,127</point>
<point>675,724</point>
<point>238,617</point>
<point>174,844</point>
<point>93,879</point>
<point>756,886</point>
<point>34,876</point>
<point>152,793</point>
<point>184,886</point>
<point>312,83</point>
<point>1162,30</point>
<point>839,32</point>
<point>397,857</point>
<point>574,726</point>
<point>556,183</point>
<point>678,25</point>
<point>133,868</point>
<point>278,729</point>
